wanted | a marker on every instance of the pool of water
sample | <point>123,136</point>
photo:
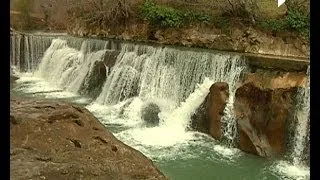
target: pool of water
<point>179,154</point>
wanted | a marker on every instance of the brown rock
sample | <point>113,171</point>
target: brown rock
<point>263,115</point>
<point>207,119</point>
<point>64,149</point>
<point>93,83</point>
<point>274,80</point>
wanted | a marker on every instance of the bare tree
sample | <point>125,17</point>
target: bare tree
<point>101,12</point>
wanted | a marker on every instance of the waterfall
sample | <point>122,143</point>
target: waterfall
<point>126,77</point>
<point>302,127</point>
<point>26,51</point>
<point>163,73</point>
<point>170,75</point>
<point>151,73</point>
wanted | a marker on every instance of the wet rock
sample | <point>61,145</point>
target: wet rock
<point>110,58</point>
<point>263,115</point>
<point>208,116</point>
<point>94,81</point>
<point>149,114</point>
<point>66,150</point>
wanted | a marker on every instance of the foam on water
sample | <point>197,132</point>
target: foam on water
<point>117,114</point>
<point>289,171</point>
<point>32,84</point>
<point>37,86</point>
<point>226,151</point>
<point>169,140</point>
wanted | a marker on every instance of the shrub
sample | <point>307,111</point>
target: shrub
<point>274,25</point>
<point>298,21</point>
<point>295,20</point>
<point>164,16</point>
<point>191,16</point>
<point>161,16</point>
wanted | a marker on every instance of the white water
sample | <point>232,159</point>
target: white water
<point>67,67</point>
<point>26,51</point>
<point>177,81</point>
<point>289,171</point>
<point>297,169</point>
<point>303,120</point>
<point>168,78</point>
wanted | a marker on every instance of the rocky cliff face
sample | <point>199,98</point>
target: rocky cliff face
<point>51,140</point>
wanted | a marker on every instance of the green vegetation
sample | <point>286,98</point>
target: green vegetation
<point>161,16</point>
<point>118,14</point>
<point>299,22</point>
<point>295,20</point>
<point>164,16</point>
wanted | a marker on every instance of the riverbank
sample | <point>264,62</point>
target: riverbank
<point>55,140</point>
<point>191,24</point>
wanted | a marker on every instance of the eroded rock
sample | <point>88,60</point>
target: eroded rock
<point>263,115</point>
<point>66,150</point>
<point>207,118</point>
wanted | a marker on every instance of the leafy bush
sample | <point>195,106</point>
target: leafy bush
<point>295,20</point>
<point>164,17</point>
<point>298,21</point>
<point>196,17</point>
<point>161,16</point>
<point>274,25</point>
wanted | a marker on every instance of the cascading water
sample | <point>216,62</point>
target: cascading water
<point>27,50</point>
<point>303,121</point>
<point>168,75</point>
<point>296,167</point>
<point>175,80</point>
<point>67,67</point>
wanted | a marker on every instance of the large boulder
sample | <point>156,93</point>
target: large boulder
<point>264,107</point>
<point>208,116</point>
<point>53,140</point>
<point>149,114</point>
